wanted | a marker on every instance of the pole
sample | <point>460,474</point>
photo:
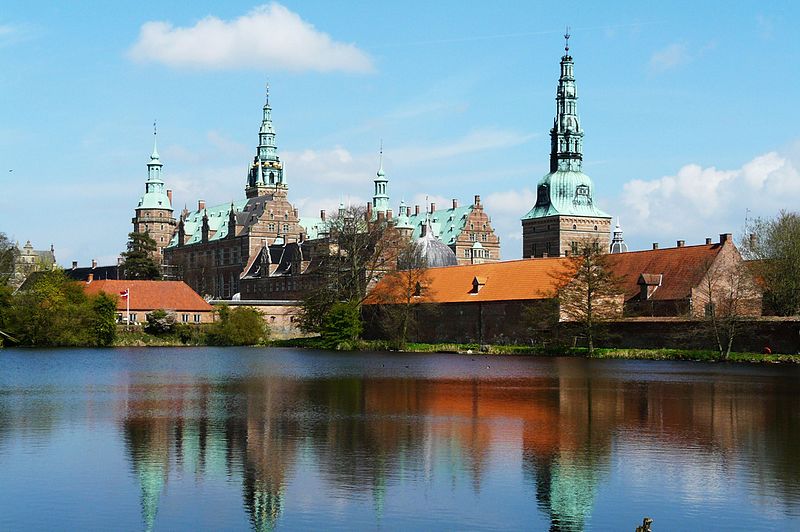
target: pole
<point>128,309</point>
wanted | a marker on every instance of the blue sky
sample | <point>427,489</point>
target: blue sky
<point>690,109</point>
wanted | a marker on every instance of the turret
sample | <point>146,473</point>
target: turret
<point>380,200</point>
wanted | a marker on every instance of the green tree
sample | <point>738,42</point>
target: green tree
<point>588,293</point>
<point>341,325</point>
<point>773,249</point>
<point>159,321</point>
<point>8,255</point>
<point>55,311</point>
<point>138,259</point>
<point>237,326</point>
<point>103,320</point>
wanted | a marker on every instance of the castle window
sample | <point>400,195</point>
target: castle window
<point>185,318</point>
<point>471,226</point>
<point>595,228</point>
<point>574,226</point>
<point>466,253</point>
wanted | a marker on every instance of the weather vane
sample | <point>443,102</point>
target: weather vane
<point>566,38</point>
<point>155,130</point>
<point>268,93</point>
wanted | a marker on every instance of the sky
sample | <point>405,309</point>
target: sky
<point>690,109</point>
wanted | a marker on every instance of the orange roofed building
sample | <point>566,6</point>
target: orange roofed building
<point>514,300</point>
<point>146,296</point>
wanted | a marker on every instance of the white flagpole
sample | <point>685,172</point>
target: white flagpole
<point>128,301</point>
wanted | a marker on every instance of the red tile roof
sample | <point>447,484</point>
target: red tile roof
<point>681,268</point>
<point>502,281</point>
<point>150,295</point>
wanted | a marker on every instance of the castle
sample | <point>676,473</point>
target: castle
<point>216,249</point>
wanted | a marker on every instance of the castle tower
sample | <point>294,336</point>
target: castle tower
<point>565,213</point>
<point>265,175</point>
<point>380,200</point>
<point>618,244</point>
<point>154,214</point>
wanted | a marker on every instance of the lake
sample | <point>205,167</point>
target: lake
<point>262,439</point>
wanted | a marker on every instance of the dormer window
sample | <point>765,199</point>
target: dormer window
<point>477,284</point>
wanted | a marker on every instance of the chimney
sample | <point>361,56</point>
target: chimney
<point>90,278</point>
<point>263,242</point>
<point>681,243</point>
<point>94,264</point>
<point>389,214</point>
<point>708,241</point>
<point>369,209</point>
<point>74,264</point>
<point>322,214</point>
<point>119,261</point>
<point>455,203</point>
<point>477,199</point>
<point>724,237</point>
<point>433,207</point>
<point>302,237</point>
<point>753,240</point>
<point>381,216</point>
<point>169,195</point>
<point>416,210</point>
<point>655,245</point>
<point>201,204</point>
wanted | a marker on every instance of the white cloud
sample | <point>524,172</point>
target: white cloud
<point>696,199</point>
<point>269,36</point>
<point>672,56</point>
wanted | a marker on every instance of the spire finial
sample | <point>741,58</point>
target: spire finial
<point>380,166</point>
<point>267,90</point>
<point>155,141</point>
<point>566,40</point>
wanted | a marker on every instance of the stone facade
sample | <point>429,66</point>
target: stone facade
<point>554,236</point>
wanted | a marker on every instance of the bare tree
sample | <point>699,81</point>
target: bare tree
<point>354,253</point>
<point>403,296</point>
<point>773,249</point>
<point>588,293</point>
<point>729,296</point>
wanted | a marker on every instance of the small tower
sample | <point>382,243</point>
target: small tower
<point>154,214</point>
<point>565,214</point>
<point>618,244</point>
<point>380,200</point>
<point>265,175</point>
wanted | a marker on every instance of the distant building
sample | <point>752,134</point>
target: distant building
<point>565,213</point>
<point>154,213</point>
<point>618,244</point>
<point>146,296</point>
<point>97,273</point>
<point>28,260</point>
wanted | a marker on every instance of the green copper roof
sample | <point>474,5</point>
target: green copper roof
<point>565,193</point>
<point>312,226</point>
<point>218,217</point>
<point>446,224</point>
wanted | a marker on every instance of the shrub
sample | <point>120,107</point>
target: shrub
<point>341,326</point>
<point>160,322</point>
<point>237,326</point>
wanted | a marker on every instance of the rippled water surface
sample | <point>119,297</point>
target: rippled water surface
<point>238,439</point>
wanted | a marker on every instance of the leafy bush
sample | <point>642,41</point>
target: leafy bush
<point>341,326</point>
<point>237,326</point>
<point>160,322</point>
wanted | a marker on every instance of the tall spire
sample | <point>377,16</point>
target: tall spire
<point>266,172</point>
<point>566,137</point>
<point>380,200</point>
<point>154,166</point>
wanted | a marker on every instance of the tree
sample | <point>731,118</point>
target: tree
<point>103,319</point>
<point>588,293</point>
<point>341,325</point>
<point>55,311</point>
<point>354,254</point>
<point>729,295</point>
<point>237,326</point>
<point>403,295</point>
<point>138,259</point>
<point>8,255</point>
<point>774,251</point>
<point>159,321</point>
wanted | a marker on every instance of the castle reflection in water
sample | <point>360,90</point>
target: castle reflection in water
<point>362,434</point>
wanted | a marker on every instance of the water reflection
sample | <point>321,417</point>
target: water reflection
<point>574,438</point>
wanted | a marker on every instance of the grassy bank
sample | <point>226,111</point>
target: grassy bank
<point>610,353</point>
